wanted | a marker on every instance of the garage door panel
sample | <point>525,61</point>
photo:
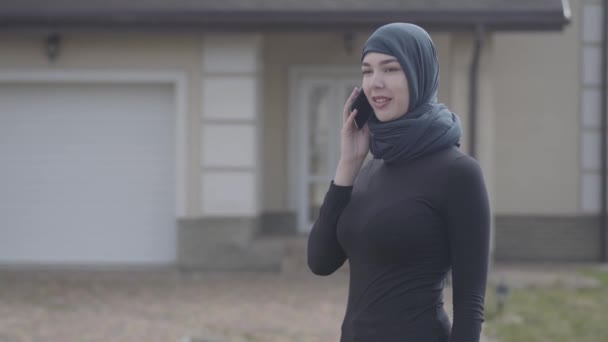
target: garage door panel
<point>88,173</point>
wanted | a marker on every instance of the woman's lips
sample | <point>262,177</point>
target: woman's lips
<point>380,102</point>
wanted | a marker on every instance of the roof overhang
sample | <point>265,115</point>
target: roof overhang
<point>509,18</point>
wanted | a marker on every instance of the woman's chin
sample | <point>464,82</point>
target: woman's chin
<point>386,117</point>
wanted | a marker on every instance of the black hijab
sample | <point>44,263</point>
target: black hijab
<point>427,126</point>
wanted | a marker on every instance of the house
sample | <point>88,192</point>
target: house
<point>180,132</point>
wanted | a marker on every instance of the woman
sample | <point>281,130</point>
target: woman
<point>411,214</point>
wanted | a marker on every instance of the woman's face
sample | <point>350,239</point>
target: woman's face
<point>385,85</point>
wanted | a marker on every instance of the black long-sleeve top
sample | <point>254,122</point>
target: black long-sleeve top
<point>402,227</point>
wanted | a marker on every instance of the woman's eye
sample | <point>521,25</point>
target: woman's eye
<point>366,72</point>
<point>391,69</point>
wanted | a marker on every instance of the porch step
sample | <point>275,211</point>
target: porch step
<point>233,244</point>
<point>295,257</point>
<point>226,244</point>
<point>258,255</point>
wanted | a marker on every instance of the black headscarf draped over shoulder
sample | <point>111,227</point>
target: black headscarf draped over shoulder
<point>427,126</point>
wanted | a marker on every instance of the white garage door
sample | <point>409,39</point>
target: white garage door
<point>87,174</point>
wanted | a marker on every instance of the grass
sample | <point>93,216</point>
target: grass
<point>551,314</point>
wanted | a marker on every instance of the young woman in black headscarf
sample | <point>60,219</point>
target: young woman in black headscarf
<point>410,215</point>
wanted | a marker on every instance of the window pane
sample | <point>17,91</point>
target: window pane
<point>590,107</point>
<point>590,147</point>
<point>318,133</point>
<point>592,23</point>
<point>590,192</point>
<point>592,65</point>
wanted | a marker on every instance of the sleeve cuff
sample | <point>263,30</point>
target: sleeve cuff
<point>337,198</point>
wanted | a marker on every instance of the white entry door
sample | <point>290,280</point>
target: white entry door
<point>319,119</point>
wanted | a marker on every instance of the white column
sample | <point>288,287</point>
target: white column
<point>230,119</point>
<point>590,111</point>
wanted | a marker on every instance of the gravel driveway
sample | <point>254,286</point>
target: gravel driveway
<point>166,305</point>
<point>169,306</point>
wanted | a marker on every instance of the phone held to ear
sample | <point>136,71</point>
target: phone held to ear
<point>364,110</point>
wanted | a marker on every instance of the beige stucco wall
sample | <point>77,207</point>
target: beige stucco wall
<point>537,120</point>
<point>282,51</point>
<point>121,52</point>
<point>183,53</point>
<point>534,79</point>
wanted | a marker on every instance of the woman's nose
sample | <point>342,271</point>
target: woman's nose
<point>377,80</point>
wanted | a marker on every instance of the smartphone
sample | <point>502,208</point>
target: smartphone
<point>364,110</point>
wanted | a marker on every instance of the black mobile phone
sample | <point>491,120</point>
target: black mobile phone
<point>364,110</point>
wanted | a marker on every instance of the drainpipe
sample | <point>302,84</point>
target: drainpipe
<point>604,142</point>
<point>474,89</point>
<point>473,111</point>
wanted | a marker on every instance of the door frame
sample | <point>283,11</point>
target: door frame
<point>175,78</point>
<point>298,74</point>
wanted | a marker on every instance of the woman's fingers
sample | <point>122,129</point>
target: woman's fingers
<point>350,119</point>
<point>349,102</point>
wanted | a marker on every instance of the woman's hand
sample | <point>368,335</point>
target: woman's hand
<point>354,145</point>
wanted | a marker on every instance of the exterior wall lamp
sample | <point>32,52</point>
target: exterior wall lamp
<point>52,46</point>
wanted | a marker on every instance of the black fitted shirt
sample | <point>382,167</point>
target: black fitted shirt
<point>402,227</point>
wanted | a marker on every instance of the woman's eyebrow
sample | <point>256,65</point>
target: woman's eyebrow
<point>382,62</point>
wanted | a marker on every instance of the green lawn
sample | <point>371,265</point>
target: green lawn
<point>553,314</point>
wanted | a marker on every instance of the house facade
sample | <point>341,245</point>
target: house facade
<point>185,133</point>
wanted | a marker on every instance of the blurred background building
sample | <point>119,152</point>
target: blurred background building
<point>204,134</point>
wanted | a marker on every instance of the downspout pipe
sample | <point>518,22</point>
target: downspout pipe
<point>474,72</point>
<point>604,141</point>
<point>474,89</point>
